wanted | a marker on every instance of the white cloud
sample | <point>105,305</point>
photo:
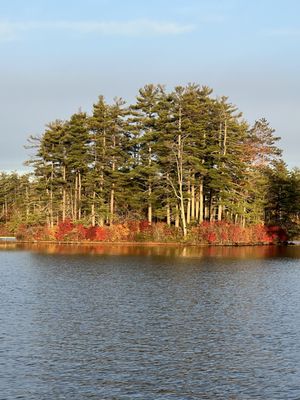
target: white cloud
<point>135,27</point>
<point>7,32</point>
<point>144,27</point>
<point>284,32</point>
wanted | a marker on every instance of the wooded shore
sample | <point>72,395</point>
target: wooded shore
<point>179,165</point>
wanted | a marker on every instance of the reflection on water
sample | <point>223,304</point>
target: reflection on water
<point>149,322</point>
<point>169,250</point>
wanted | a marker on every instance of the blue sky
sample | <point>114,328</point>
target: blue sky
<point>57,56</point>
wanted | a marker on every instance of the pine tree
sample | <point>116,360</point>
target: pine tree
<point>99,125</point>
<point>77,161</point>
<point>143,125</point>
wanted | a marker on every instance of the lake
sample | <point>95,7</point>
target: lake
<point>149,322</point>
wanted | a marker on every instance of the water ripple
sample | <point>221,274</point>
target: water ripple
<point>135,327</point>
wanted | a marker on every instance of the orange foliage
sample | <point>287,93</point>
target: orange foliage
<point>227,233</point>
<point>221,233</point>
<point>63,229</point>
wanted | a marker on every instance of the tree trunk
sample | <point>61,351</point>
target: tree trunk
<point>177,217</point>
<point>75,198</point>
<point>27,203</point>
<point>79,195</point>
<point>193,199</point>
<point>236,219</point>
<point>201,201</point>
<point>206,211</point>
<point>149,205</point>
<point>149,189</point>
<point>180,176</point>
<point>223,144</point>
<point>168,215</point>
<point>220,212</point>
<point>183,220</point>
<point>112,192</point>
<point>101,217</point>
<point>64,195</point>
<point>211,208</point>
<point>188,207</point>
<point>244,219</point>
<point>6,209</point>
<point>93,216</point>
<point>51,222</point>
<point>112,204</point>
<point>197,208</point>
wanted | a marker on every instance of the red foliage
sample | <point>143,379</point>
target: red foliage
<point>21,232</point>
<point>236,234</point>
<point>224,236</point>
<point>90,233</point>
<point>277,233</point>
<point>68,231</point>
<point>260,234</point>
<point>211,237</point>
<point>144,226</point>
<point>63,229</point>
<point>118,232</point>
<point>37,233</point>
<point>80,232</point>
<point>217,232</point>
<point>133,225</point>
<point>100,234</point>
<point>227,233</point>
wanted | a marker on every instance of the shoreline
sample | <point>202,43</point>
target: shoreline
<point>140,244</point>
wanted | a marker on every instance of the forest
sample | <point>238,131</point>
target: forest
<point>179,165</point>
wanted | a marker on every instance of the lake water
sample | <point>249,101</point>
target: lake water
<point>134,322</point>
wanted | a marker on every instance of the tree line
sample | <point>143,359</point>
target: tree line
<point>180,157</point>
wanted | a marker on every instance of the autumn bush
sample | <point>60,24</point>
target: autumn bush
<point>4,231</point>
<point>222,232</point>
<point>64,228</point>
<point>277,233</point>
<point>161,232</point>
<point>34,232</point>
<point>132,229</point>
<point>21,232</point>
<point>212,233</point>
<point>118,233</point>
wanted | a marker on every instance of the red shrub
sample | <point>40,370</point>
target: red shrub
<point>21,232</point>
<point>90,233</point>
<point>144,226</point>
<point>80,232</point>
<point>212,237</point>
<point>63,229</point>
<point>236,234</point>
<point>100,233</point>
<point>224,236</point>
<point>277,233</point>
<point>226,233</point>
<point>133,225</point>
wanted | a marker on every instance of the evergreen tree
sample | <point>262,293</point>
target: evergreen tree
<point>181,157</point>
<point>77,160</point>
<point>143,126</point>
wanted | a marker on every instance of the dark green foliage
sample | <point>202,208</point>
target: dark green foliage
<point>180,157</point>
